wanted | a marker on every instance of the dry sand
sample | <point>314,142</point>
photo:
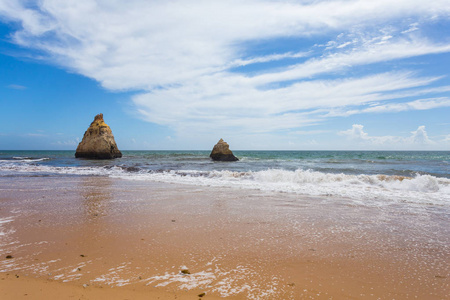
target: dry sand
<point>104,238</point>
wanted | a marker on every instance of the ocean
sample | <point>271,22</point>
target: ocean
<point>273,225</point>
<point>367,177</point>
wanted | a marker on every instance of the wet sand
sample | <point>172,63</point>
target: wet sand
<point>105,238</point>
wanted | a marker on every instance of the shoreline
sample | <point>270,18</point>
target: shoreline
<point>135,237</point>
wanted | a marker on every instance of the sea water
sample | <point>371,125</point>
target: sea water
<point>369,177</point>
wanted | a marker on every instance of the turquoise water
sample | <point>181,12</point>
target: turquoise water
<point>401,163</point>
<point>369,177</point>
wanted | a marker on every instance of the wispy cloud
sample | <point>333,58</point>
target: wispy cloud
<point>72,143</point>
<point>180,56</point>
<point>421,104</point>
<point>36,135</point>
<point>16,87</point>
<point>310,132</point>
<point>267,58</point>
<point>157,43</point>
<point>227,106</point>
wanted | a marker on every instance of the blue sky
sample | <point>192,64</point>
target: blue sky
<point>263,75</point>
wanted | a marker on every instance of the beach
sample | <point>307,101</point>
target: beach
<point>93,237</point>
<point>235,150</point>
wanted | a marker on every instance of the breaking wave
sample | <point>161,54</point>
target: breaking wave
<point>374,189</point>
<point>24,159</point>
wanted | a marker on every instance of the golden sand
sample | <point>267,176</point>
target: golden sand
<point>104,238</point>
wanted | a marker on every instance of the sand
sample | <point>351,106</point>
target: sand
<point>104,238</point>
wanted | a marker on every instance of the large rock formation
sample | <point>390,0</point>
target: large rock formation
<point>98,141</point>
<point>222,152</point>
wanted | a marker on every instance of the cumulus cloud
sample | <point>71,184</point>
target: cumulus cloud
<point>418,137</point>
<point>446,139</point>
<point>356,133</point>
<point>179,57</point>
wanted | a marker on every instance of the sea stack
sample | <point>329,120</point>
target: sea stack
<point>222,152</point>
<point>98,142</point>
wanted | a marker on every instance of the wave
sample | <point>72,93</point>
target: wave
<point>419,189</point>
<point>367,189</point>
<point>26,159</point>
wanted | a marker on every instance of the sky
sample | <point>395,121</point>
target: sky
<point>262,75</point>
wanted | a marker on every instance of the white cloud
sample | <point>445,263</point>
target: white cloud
<point>421,104</point>
<point>412,27</point>
<point>417,139</point>
<point>233,104</point>
<point>367,54</point>
<point>36,135</point>
<point>267,58</point>
<point>446,139</point>
<point>143,45</point>
<point>356,133</point>
<point>178,54</point>
<point>73,142</point>
<point>310,132</point>
<point>420,136</point>
<point>16,87</point>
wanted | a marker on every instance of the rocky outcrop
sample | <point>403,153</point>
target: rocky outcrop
<point>98,141</point>
<point>222,152</point>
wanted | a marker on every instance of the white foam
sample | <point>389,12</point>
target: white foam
<point>184,282</point>
<point>425,189</point>
<point>6,220</point>
<point>3,232</point>
<point>26,159</point>
<point>115,276</point>
<point>226,283</point>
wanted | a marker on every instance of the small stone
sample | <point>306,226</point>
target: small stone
<point>185,272</point>
<point>9,256</point>
<point>82,255</point>
<point>291,284</point>
<point>201,295</point>
<point>85,285</point>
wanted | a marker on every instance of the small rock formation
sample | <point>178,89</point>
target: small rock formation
<point>222,152</point>
<point>98,142</point>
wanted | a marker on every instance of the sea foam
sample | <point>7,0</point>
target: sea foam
<point>424,189</point>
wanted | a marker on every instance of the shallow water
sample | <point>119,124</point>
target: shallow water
<point>110,232</point>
